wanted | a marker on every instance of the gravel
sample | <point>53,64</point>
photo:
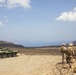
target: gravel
<point>33,65</point>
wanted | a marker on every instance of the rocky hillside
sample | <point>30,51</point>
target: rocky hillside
<point>9,44</point>
<point>74,43</point>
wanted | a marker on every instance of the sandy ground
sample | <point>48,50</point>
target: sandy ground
<point>31,65</point>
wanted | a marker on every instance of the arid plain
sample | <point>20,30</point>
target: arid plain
<point>34,61</point>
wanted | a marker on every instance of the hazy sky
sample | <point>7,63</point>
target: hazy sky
<point>38,22</point>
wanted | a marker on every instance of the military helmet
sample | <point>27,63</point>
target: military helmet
<point>70,44</point>
<point>63,44</point>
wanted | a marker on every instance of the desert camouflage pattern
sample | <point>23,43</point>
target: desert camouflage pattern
<point>69,55</point>
<point>63,50</point>
<point>69,52</point>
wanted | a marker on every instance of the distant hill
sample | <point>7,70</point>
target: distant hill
<point>74,42</point>
<point>9,44</point>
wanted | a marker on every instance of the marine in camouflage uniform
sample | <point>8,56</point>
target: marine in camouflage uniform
<point>74,52</point>
<point>62,50</point>
<point>70,54</point>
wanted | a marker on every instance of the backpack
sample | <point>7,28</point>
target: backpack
<point>63,49</point>
<point>69,51</point>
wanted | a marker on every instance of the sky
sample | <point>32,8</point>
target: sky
<point>38,22</point>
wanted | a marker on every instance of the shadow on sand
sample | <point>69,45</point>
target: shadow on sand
<point>63,69</point>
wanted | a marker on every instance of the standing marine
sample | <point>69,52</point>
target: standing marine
<point>70,54</point>
<point>62,50</point>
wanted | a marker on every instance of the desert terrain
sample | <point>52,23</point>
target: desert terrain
<point>35,61</point>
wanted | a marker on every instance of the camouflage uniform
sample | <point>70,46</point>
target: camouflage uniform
<point>74,52</point>
<point>70,54</point>
<point>62,50</point>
